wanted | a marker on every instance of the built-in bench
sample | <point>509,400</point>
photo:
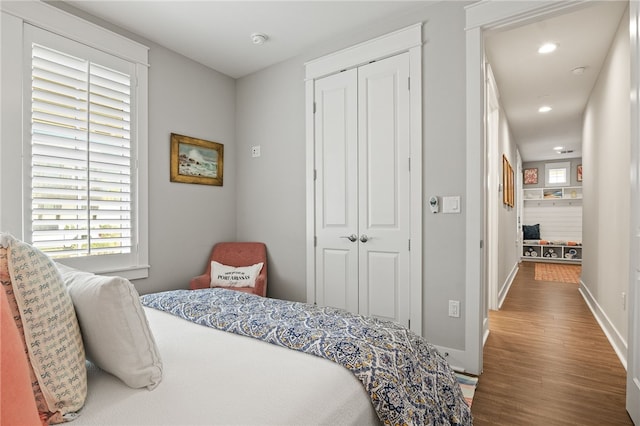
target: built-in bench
<point>552,250</point>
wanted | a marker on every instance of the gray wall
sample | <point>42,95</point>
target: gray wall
<point>271,198</point>
<point>185,220</point>
<point>541,172</point>
<point>606,185</point>
<point>271,188</point>
<point>263,198</point>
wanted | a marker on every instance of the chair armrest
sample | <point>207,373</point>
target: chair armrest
<point>260,287</point>
<point>201,281</point>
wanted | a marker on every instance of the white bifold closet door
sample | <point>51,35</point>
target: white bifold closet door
<point>362,189</point>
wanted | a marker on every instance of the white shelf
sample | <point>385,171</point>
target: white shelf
<point>552,194</point>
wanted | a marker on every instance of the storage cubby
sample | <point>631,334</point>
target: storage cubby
<point>532,251</point>
<point>552,252</point>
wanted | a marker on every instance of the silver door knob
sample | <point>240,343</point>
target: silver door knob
<point>352,237</point>
<point>364,238</point>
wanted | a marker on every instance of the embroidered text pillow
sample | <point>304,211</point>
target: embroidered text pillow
<point>230,276</point>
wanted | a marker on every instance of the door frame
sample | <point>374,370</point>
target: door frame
<point>633,342</point>
<point>486,15</point>
<point>408,39</point>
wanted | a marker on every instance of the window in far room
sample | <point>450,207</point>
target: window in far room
<point>557,174</point>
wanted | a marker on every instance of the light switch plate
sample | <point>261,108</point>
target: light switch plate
<point>255,151</point>
<point>451,204</point>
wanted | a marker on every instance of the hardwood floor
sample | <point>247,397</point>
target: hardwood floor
<point>547,361</point>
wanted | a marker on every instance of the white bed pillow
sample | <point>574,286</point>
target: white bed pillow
<point>114,327</point>
<point>231,276</point>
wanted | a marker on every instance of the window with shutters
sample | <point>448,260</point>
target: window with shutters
<point>84,147</point>
<point>80,156</point>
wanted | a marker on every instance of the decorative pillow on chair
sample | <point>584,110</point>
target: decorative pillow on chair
<point>231,276</point>
<point>114,327</point>
<point>531,232</point>
<point>44,313</point>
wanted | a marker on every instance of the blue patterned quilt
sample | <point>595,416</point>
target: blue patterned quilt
<point>408,381</point>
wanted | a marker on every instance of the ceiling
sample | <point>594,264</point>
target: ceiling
<point>527,80</point>
<point>218,35</point>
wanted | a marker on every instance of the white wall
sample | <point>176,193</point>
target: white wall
<point>271,199</point>
<point>606,187</point>
<point>508,249</point>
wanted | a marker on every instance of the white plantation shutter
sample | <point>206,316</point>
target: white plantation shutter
<point>81,156</point>
<point>81,150</point>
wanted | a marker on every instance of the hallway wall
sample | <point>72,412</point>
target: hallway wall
<point>606,190</point>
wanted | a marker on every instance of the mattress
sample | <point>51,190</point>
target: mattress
<point>214,377</point>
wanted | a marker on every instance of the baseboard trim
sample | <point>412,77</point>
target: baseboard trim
<point>485,331</point>
<point>452,356</point>
<point>507,284</point>
<point>615,339</point>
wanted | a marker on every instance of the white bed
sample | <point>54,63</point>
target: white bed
<point>212,356</point>
<point>215,377</point>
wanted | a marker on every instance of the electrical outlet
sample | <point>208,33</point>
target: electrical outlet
<point>454,308</point>
<point>255,151</point>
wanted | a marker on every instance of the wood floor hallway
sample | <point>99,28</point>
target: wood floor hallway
<point>547,361</point>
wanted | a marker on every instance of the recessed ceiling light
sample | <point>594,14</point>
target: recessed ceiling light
<point>545,108</point>
<point>547,48</point>
<point>558,148</point>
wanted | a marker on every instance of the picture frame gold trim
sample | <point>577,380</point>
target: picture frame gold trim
<point>508,190</point>
<point>196,161</point>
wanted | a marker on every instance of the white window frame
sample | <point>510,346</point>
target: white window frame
<point>549,167</point>
<point>15,132</point>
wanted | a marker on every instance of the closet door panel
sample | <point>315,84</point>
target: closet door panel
<point>336,190</point>
<point>383,144</point>
<point>383,289</point>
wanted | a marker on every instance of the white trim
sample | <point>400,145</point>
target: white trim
<point>57,21</point>
<point>504,290</point>
<point>409,40</point>
<point>613,335</point>
<point>390,44</point>
<point>498,14</point>
<point>452,355</point>
<point>474,315</point>
<point>415,194</point>
<point>310,192</point>
<point>486,331</point>
<point>633,312</point>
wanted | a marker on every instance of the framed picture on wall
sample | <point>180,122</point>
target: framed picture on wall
<point>196,160</point>
<point>579,176</point>
<point>531,176</point>
<point>508,195</point>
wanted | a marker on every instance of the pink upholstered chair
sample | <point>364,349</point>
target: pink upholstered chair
<point>236,254</point>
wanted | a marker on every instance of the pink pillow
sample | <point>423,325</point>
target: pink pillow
<point>43,313</point>
<point>17,400</point>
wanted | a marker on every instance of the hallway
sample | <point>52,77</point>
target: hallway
<point>547,361</point>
